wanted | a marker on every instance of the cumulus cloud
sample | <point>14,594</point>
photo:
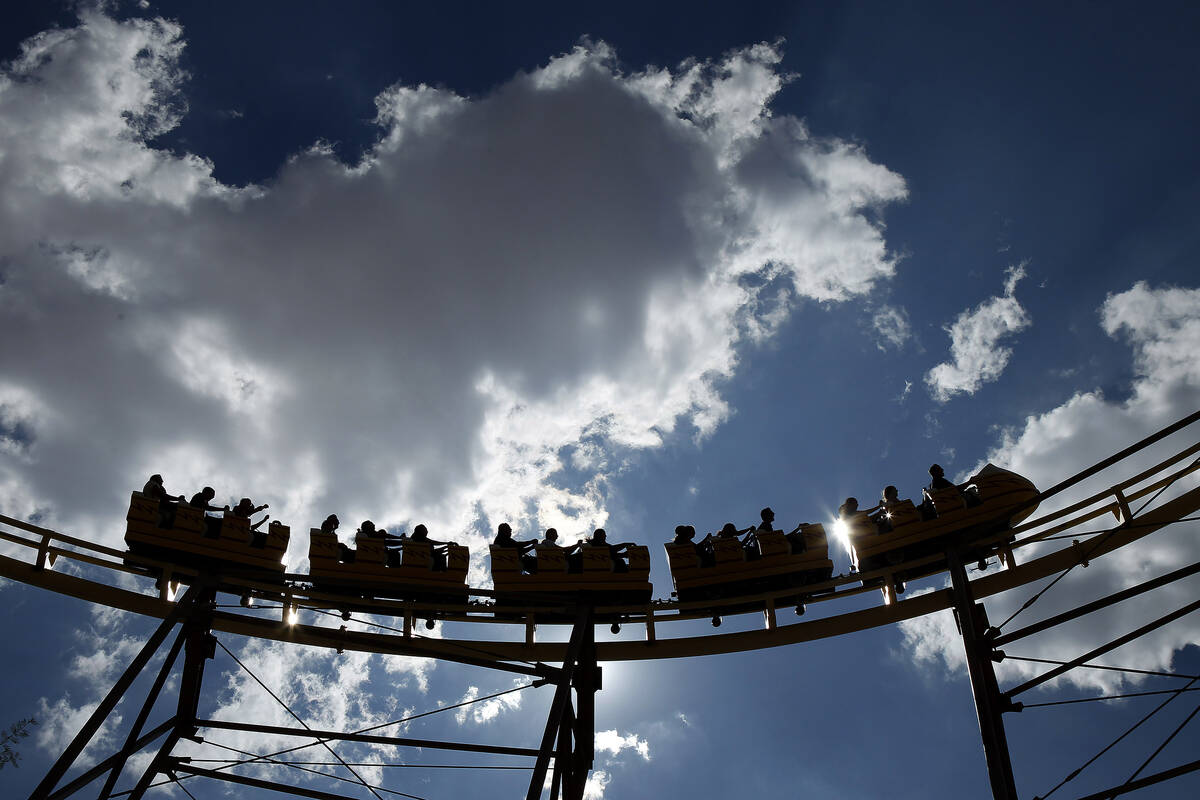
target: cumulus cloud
<point>1162,326</point>
<point>613,743</point>
<point>552,274</point>
<point>485,711</point>
<point>547,275</point>
<point>975,338</point>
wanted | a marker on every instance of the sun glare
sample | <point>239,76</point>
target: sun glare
<point>841,532</point>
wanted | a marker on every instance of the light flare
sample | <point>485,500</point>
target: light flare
<point>841,533</point>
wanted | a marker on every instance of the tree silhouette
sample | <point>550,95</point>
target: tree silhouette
<point>18,731</point>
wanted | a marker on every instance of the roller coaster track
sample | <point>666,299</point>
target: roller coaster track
<point>129,587</point>
<point>1030,552</point>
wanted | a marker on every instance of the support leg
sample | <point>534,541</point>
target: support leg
<point>972,621</point>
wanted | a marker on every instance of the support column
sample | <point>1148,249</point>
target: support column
<point>989,704</point>
<point>569,737</point>
<point>199,647</point>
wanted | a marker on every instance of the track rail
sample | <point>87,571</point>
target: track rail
<point>98,574</point>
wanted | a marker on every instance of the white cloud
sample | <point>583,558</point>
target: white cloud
<point>892,326</point>
<point>975,338</point>
<point>549,274</point>
<point>1163,328</point>
<point>596,785</point>
<point>483,712</point>
<point>613,743</point>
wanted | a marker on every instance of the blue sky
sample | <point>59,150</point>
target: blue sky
<point>617,266</point>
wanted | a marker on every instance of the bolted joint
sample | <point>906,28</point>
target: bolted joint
<point>997,656</point>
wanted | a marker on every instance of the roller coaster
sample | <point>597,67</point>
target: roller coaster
<point>174,570</point>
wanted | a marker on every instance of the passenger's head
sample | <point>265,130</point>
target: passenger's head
<point>367,526</point>
<point>849,507</point>
<point>504,531</point>
<point>684,533</point>
<point>208,492</point>
<point>767,514</point>
<point>599,536</point>
<point>156,478</point>
<point>937,471</point>
<point>551,535</point>
<point>729,529</point>
<point>890,493</point>
<point>244,504</point>
<point>420,532</point>
<point>330,524</point>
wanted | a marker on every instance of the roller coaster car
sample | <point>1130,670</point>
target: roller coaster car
<point>992,501</point>
<point>413,572</point>
<point>774,562</point>
<point>179,533</point>
<point>557,579</point>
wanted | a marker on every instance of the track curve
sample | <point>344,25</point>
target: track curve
<point>49,545</point>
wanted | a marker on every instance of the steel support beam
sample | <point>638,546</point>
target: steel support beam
<point>106,706</point>
<point>1096,605</point>
<point>569,735</point>
<point>399,741</point>
<point>1104,648</point>
<point>989,703</point>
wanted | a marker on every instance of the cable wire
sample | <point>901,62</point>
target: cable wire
<point>293,713</point>
<point>1095,544</point>
<point>1106,697</point>
<point>1166,742</point>
<point>1131,670</point>
<point>1114,742</point>
<point>402,720</point>
<point>295,765</point>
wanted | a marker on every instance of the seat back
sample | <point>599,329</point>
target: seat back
<point>639,558</point>
<point>369,550</point>
<point>142,509</point>
<point>279,535</point>
<point>682,557</point>
<point>944,500</point>
<point>416,555</point>
<point>550,559</point>
<point>859,526</point>
<point>902,513</point>
<point>189,518</point>
<point>727,550</point>
<point>457,560</point>
<point>322,547</point>
<point>772,543</point>
<point>235,529</point>
<point>505,560</point>
<point>596,558</point>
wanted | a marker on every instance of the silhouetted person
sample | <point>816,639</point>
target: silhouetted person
<point>848,509</point>
<point>246,509</point>
<point>551,538</point>
<point>439,549</point>
<point>368,529</point>
<point>155,490</point>
<point>330,525</point>
<point>939,478</point>
<point>768,519</point>
<point>203,499</point>
<point>600,539</point>
<point>686,534</point>
<point>504,538</point>
<point>730,531</point>
<point>881,516</point>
